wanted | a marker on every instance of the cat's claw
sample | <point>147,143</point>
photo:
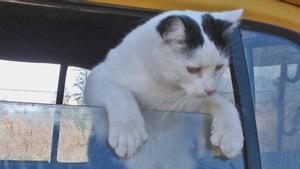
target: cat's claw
<point>127,139</point>
<point>229,141</point>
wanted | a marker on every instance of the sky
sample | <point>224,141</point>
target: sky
<point>31,82</point>
<point>20,81</point>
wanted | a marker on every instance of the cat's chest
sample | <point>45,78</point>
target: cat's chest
<point>159,100</point>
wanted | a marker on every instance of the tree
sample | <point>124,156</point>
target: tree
<point>75,92</point>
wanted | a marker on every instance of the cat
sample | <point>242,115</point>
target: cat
<point>174,55</point>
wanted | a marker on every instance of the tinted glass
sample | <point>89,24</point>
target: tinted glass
<point>25,131</point>
<point>274,67</point>
<point>83,138</point>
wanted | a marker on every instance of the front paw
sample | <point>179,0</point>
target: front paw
<point>229,141</point>
<point>127,137</point>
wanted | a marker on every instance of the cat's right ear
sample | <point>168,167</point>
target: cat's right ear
<point>172,31</point>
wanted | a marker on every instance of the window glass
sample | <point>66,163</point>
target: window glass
<point>28,82</point>
<point>75,83</point>
<point>274,67</point>
<point>75,128</point>
<point>25,131</point>
<point>83,138</point>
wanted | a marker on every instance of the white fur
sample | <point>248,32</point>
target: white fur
<point>142,71</point>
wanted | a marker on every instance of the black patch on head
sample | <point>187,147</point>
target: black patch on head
<point>193,34</point>
<point>215,30</point>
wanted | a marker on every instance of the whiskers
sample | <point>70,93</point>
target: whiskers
<point>221,82</point>
<point>178,105</point>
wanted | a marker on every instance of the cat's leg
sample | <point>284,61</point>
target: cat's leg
<point>126,130</point>
<point>226,130</point>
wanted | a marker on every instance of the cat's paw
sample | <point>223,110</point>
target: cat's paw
<point>229,141</point>
<point>126,138</point>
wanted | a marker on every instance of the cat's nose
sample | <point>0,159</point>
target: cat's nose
<point>210,92</point>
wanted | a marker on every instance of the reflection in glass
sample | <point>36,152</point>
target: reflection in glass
<point>75,127</point>
<point>25,131</point>
<point>274,67</point>
<point>83,138</point>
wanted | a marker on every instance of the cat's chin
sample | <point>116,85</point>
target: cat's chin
<point>195,94</point>
<point>200,95</point>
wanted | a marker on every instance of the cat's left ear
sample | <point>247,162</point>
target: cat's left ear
<point>180,31</point>
<point>233,17</point>
<point>172,30</point>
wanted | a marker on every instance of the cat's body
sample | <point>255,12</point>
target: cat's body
<point>157,65</point>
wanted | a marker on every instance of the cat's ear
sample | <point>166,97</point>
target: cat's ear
<point>172,30</point>
<point>231,17</point>
<point>180,32</point>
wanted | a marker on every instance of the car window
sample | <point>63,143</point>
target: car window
<point>274,69</point>
<point>25,135</point>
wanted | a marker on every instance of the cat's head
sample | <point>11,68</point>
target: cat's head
<point>195,48</point>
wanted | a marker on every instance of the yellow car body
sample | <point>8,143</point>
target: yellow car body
<point>285,14</point>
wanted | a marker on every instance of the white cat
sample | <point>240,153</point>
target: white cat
<point>175,55</point>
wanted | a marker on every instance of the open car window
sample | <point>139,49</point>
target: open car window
<point>70,33</point>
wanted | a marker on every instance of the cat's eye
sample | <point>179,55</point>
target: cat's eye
<point>194,70</point>
<point>219,67</point>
